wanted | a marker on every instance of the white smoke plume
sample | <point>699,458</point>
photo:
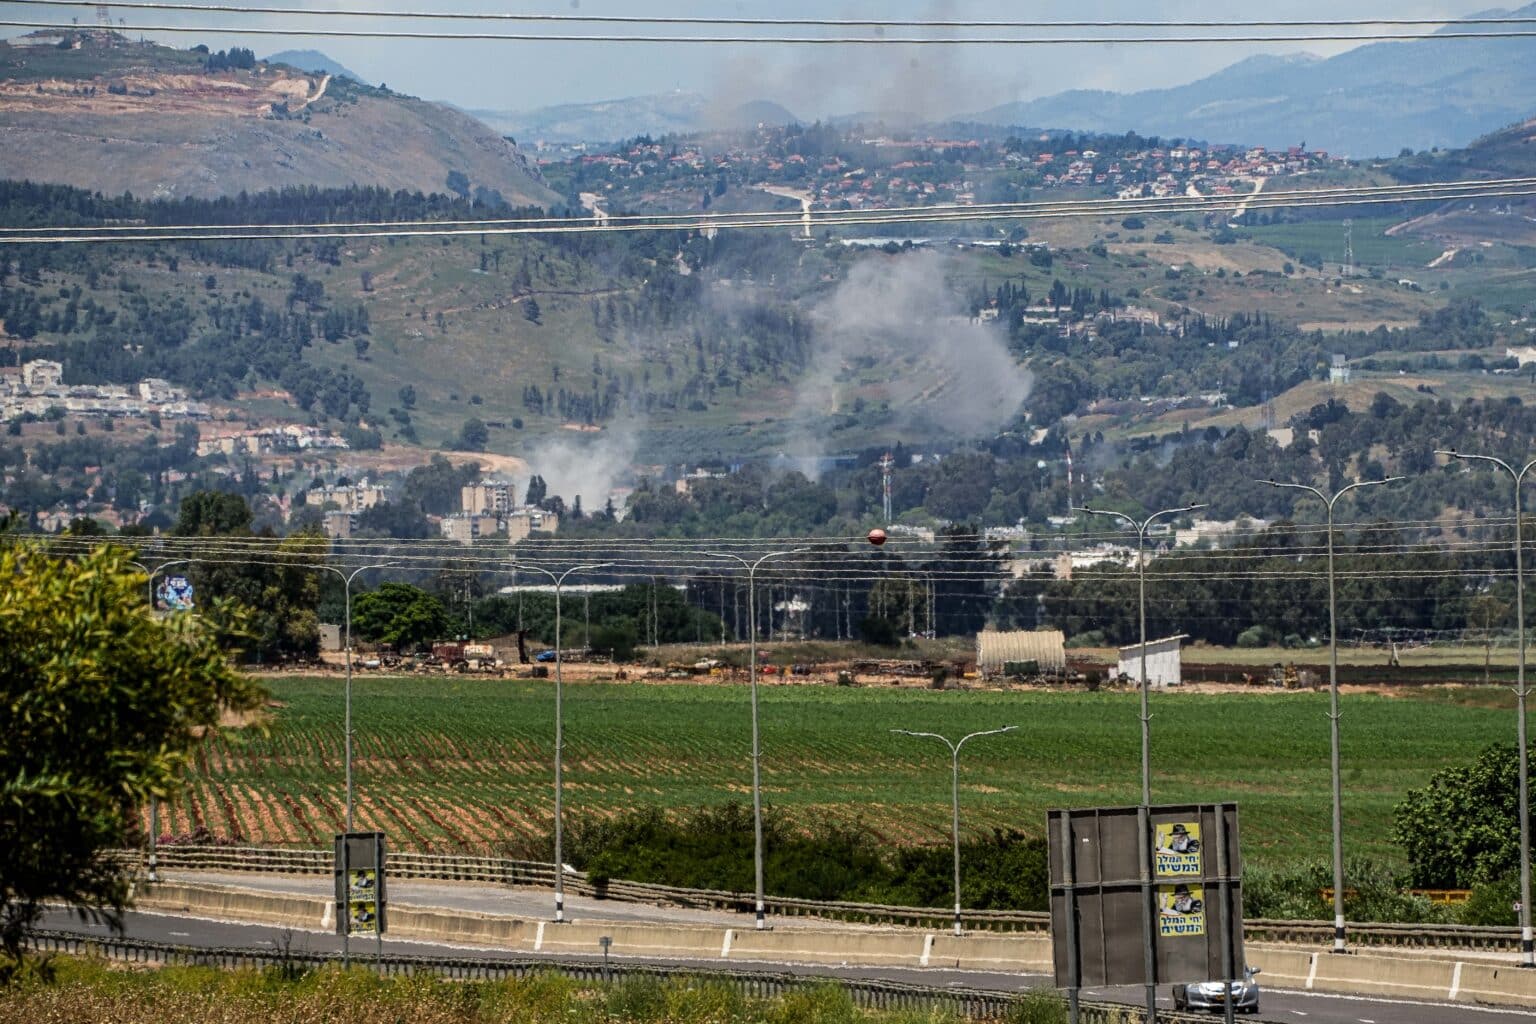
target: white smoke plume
<point>589,465</point>
<point>896,318</point>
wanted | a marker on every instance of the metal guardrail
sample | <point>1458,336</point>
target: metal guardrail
<point>971,1003</point>
<point>540,875</point>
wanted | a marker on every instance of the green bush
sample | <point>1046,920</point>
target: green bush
<point>1255,636</point>
<point>1039,1006</point>
<point>1493,903</point>
<point>1372,892</point>
<point>712,848</point>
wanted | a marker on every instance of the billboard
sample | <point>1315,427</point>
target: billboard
<point>1146,895</point>
<point>359,871</point>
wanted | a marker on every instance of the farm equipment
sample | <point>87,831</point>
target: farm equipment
<point>461,657</point>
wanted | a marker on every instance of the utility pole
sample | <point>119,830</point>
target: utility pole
<point>1522,692</point>
<point>887,464</point>
<point>757,749</point>
<point>954,750</point>
<point>1333,710</point>
<point>1141,577</point>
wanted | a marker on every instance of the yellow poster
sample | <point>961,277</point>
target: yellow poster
<point>1180,910</point>
<point>362,884</point>
<point>1176,850</point>
<point>364,916</point>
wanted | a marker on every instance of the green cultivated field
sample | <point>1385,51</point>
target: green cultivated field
<point>464,764</point>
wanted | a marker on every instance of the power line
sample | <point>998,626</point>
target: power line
<point>1488,187</point>
<point>882,23</point>
<point>786,40</point>
<point>702,222</point>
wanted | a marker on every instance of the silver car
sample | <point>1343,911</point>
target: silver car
<point>1212,995</point>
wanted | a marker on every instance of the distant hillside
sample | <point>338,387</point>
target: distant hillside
<point>1510,153</point>
<point>113,115</point>
<point>1371,101</point>
<point>314,60</point>
<point>673,113</point>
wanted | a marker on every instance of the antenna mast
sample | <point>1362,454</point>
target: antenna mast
<point>887,463</point>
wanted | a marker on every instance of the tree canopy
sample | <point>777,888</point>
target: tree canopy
<point>101,704</point>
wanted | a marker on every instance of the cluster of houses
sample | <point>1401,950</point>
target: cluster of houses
<point>945,170</point>
<point>290,437</point>
<point>37,388</point>
<point>1219,170</point>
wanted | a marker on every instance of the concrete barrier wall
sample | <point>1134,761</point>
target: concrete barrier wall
<point>233,904</point>
<point>1287,967</point>
<point>829,947</point>
<point>990,952</point>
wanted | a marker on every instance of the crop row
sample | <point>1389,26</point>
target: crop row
<point>448,764</point>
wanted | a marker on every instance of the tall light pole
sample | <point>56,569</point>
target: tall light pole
<point>153,872</point>
<point>954,750</point>
<point>1333,701</point>
<point>346,583</point>
<point>559,581</point>
<point>1527,946</point>
<point>757,776</point>
<point>1141,581</point>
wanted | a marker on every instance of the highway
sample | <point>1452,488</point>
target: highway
<point>1292,1007</point>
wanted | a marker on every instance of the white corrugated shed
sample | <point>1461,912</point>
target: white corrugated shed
<point>1045,647</point>
<point>1164,664</point>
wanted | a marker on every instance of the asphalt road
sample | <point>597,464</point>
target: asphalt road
<point>1291,1007</point>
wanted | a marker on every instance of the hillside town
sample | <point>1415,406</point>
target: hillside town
<point>836,170</point>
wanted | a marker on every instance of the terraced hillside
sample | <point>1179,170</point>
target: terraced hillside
<point>114,116</point>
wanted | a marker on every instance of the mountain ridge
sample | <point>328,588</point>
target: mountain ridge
<point>1374,100</point>
<point>113,115</point>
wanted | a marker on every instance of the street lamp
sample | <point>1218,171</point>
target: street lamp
<point>153,873</point>
<point>1333,698</point>
<point>954,750</point>
<point>559,581</point>
<point>757,777</point>
<point>346,583</point>
<point>1527,947</point>
<point>1141,579</point>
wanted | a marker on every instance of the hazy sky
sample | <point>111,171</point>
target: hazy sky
<point>811,80</point>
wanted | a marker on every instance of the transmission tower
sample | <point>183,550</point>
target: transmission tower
<point>1349,247</point>
<point>103,16</point>
<point>887,463</point>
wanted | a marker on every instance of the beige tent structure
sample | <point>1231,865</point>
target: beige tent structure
<point>1047,648</point>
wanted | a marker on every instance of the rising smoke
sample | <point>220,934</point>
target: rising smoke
<point>589,465</point>
<point>897,319</point>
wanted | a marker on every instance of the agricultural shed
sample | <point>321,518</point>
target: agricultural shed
<point>1047,648</point>
<point>330,636</point>
<point>1164,664</point>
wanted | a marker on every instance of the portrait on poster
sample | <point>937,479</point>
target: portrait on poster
<point>1176,849</point>
<point>1180,910</point>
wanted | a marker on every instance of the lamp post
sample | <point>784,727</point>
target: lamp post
<point>1141,580</point>
<point>346,586</point>
<point>954,750</point>
<point>1333,701</point>
<point>757,777</point>
<point>153,872</point>
<point>1527,947</point>
<point>559,581</point>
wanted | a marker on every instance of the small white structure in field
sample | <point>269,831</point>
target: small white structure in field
<point>1164,667</point>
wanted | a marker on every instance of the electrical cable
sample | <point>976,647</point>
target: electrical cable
<point>630,19</point>
<point>730,222</point>
<point>1135,204</point>
<point>784,40</point>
